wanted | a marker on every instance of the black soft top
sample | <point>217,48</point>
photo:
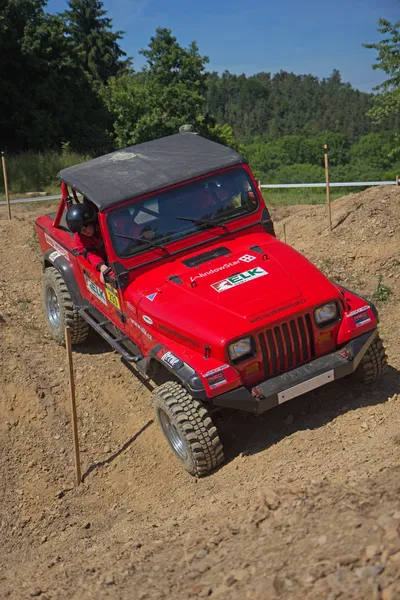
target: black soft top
<point>137,170</point>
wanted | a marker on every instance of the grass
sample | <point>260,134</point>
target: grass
<point>282,197</point>
<point>382,292</point>
<point>37,171</point>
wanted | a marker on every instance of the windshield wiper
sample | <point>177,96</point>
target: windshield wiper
<point>204,222</point>
<point>135,239</point>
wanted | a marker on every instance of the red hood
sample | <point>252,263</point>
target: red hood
<point>236,293</point>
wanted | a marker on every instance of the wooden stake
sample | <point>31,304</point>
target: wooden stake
<point>397,180</point>
<point>328,195</point>
<point>284,232</point>
<point>74,420</point>
<point>259,184</point>
<point>3,163</point>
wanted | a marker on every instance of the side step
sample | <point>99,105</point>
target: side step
<point>99,323</point>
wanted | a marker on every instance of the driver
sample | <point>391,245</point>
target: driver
<point>82,221</point>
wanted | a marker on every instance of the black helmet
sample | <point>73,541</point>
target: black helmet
<point>80,215</point>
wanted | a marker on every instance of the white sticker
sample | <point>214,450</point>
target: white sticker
<point>147,319</point>
<point>96,290</point>
<point>238,279</point>
<point>57,247</point>
<point>358,310</point>
<point>247,258</point>
<point>216,370</point>
<point>53,256</point>
<point>170,359</point>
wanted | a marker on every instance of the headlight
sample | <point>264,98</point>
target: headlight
<point>240,349</point>
<point>327,312</point>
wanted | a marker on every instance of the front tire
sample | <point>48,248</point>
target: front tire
<point>373,364</point>
<point>187,425</point>
<point>60,311</point>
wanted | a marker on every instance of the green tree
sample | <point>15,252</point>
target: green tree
<point>387,102</point>
<point>169,92</point>
<point>96,44</point>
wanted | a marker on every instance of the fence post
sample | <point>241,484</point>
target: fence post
<point>74,420</point>
<point>328,196</point>
<point>3,162</point>
<point>397,180</point>
<point>259,184</point>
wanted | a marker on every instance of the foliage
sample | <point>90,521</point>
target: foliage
<point>382,292</point>
<point>96,45</point>
<point>37,171</point>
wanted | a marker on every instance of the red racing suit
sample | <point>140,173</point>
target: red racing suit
<point>92,248</point>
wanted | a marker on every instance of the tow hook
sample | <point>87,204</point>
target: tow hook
<point>345,353</point>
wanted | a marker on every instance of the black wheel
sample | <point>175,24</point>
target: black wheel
<point>373,364</point>
<point>187,425</point>
<point>59,309</point>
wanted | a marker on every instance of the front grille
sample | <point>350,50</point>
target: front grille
<point>287,345</point>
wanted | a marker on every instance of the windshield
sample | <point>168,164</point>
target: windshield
<point>177,213</point>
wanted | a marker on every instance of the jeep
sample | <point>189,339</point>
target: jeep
<point>208,305</point>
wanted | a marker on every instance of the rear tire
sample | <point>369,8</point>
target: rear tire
<point>187,425</point>
<point>60,311</point>
<point>373,364</point>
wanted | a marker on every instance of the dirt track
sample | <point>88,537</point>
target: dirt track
<point>307,505</point>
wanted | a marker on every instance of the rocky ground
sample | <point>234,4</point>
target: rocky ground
<point>307,505</point>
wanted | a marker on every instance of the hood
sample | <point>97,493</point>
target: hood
<point>218,294</point>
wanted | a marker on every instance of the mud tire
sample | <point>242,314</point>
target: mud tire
<point>373,364</point>
<point>56,299</point>
<point>188,427</point>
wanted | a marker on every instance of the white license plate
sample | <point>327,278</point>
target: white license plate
<point>307,386</point>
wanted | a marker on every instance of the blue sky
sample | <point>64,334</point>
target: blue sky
<point>309,36</point>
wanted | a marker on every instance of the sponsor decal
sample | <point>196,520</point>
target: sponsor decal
<point>151,296</point>
<point>141,328</point>
<point>358,310</point>
<point>129,305</point>
<point>238,279</point>
<point>179,336</point>
<point>57,247</point>
<point>235,263</point>
<point>170,359</point>
<point>217,370</point>
<point>53,256</point>
<point>277,310</point>
<point>95,290</point>
<point>112,296</point>
<point>147,319</point>
<point>216,379</point>
<point>361,318</point>
<point>247,258</point>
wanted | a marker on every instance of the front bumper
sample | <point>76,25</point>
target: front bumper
<point>303,379</point>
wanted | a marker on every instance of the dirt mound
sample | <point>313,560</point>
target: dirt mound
<point>306,506</point>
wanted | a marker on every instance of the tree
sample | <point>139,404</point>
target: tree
<point>387,102</point>
<point>96,44</point>
<point>169,92</point>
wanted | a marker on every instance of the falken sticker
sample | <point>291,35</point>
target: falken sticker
<point>238,279</point>
<point>112,296</point>
<point>170,359</point>
<point>147,319</point>
<point>57,247</point>
<point>141,328</point>
<point>358,310</point>
<point>53,256</point>
<point>96,290</point>
<point>361,318</point>
<point>151,296</point>
<point>216,379</point>
<point>216,370</point>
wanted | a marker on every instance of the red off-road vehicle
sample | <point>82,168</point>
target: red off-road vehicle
<point>204,299</point>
